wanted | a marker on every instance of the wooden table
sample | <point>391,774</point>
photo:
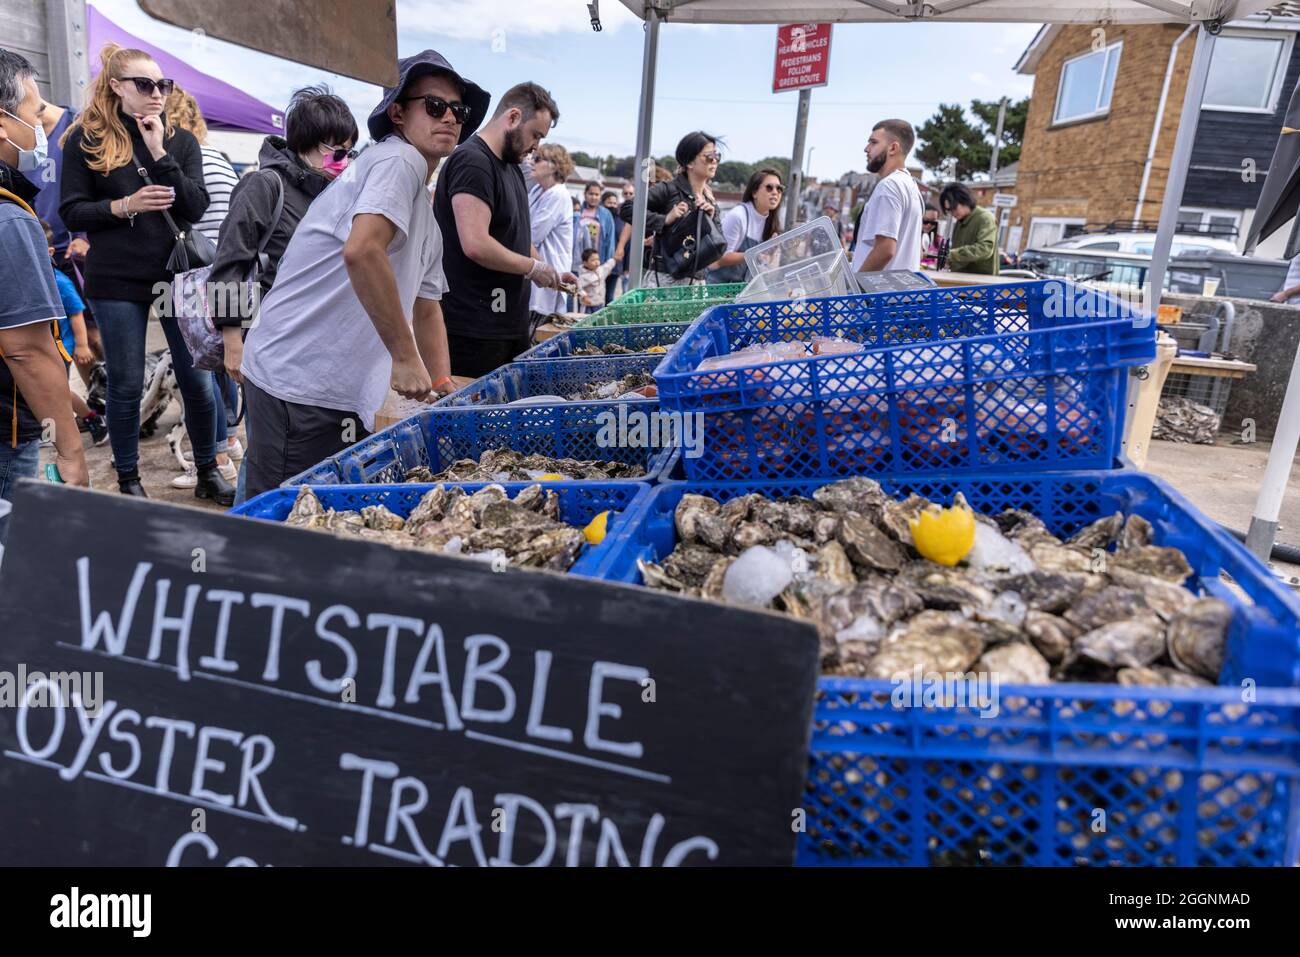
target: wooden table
<point>1221,368</point>
<point>944,277</point>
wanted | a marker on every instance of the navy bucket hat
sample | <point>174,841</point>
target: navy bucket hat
<point>412,68</point>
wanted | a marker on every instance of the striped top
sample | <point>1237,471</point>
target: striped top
<point>219,178</point>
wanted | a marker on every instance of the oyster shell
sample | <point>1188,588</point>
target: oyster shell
<point>306,510</point>
<point>1051,591</point>
<point>1164,598</point>
<point>1052,635</point>
<point>896,517</point>
<point>1198,636</point>
<point>1160,675</point>
<point>1111,603</point>
<point>940,642</point>
<point>748,534</point>
<point>1136,532</point>
<point>654,576</point>
<point>1016,663</point>
<point>711,586</point>
<point>1024,528</point>
<point>1155,560</point>
<point>832,563</point>
<point>867,545</point>
<point>1100,534</point>
<point>944,588</point>
<point>1134,643</point>
<point>861,495</point>
<point>1060,558</point>
<point>507,465</point>
<point>688,513</point>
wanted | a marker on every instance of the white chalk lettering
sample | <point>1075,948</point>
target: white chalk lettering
<point>435,644</point>
<point>596,707</point>
<point>281,604</point>
<point>394,624</point>
<point>313,667</point>
<point>114,637</point>
<point>474,672</point>
<point>217,660</point>
<point>537,706</point>
<point>182,625</point>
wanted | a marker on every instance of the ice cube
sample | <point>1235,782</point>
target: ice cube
<point>756,577</point>
<point>993,551</point>
<point>866,627</point>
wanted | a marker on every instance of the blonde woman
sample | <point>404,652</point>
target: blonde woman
<point>104,195</point>
<point>550,211</point>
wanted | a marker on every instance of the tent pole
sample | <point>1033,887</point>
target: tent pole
<point>1177,177</point>
<point>1281,454</point>
<point>645,164</point>
<point>794,198</point>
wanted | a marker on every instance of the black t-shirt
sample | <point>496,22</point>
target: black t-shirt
<point>483,303</point>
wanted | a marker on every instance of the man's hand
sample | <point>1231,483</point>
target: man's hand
<point>1280,296</point>
<point>77,249</point>
<point>568,281</point>
<point>544,275</point>
<point>234,352</point>
<point>72,468</point>
<point>410,379</point>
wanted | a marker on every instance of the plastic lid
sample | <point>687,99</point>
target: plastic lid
<point>803,242</point>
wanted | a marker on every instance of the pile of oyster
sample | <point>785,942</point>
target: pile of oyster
<point>488,525</point>
<point>1179,419</point>
<point>507,465</point>
<point>608,349</point>
<point>642,383</point>
<point>1104,605</point>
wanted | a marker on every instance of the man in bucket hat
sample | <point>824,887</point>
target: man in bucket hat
<point>356,304</point>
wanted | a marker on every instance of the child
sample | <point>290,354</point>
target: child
<point>73,344</point>
<point>591,280</point>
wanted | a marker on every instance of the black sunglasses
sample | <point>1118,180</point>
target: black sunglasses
<point>436,107</point>
<point>146,85</point>
<point>774,187</point>
<point>340,153</point>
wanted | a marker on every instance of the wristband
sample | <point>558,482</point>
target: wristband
<point>439,383</point>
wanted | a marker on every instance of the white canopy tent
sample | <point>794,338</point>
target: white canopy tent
<point>1208,15</point>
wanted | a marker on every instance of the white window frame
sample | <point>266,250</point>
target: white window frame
<point>1279,71</point>
<point>1057,120</point>
<point>1205,212</point>
<point>1063,221</point>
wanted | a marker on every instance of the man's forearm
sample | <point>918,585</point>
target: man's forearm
<point>878,258</point>
<point>431,339</point>
<point>42,379</point>
<point>490,254</point>
<point>375,285</point>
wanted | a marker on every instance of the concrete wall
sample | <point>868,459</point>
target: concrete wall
<point>1264,333</point>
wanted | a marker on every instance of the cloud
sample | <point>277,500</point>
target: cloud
<point>979,79</point>
<point>477,19</point>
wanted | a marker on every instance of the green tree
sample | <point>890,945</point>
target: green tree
<point>668,162</point>
<point>621,166</point>
<point>1013,126</point>
<point>734,173</point>
<point>779,163</point>
<point>949,133</point>
<point>584,159</point>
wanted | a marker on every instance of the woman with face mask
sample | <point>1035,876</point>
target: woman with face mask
<point>317,146</point>
<point>124,129</point>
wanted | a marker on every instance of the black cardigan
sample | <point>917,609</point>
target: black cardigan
<point>662,198</point>
<point>125,261</point>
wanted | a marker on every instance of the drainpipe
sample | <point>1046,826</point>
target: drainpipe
<point>1155,130</point>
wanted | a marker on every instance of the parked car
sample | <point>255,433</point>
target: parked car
<point>1142,244</point>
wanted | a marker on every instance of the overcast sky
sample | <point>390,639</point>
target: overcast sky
<point>716,78</point>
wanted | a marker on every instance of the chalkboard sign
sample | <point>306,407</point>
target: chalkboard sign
<point>188,688</point>
<point>893,280</point>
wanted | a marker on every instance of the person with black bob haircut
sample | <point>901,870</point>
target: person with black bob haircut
<point>973,246</point>
<point>686,194</point>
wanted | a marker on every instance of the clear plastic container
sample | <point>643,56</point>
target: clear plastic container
<point>811,240</point>
<point>826,275</point>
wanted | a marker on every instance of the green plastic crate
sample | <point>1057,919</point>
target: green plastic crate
<point>663,304</point>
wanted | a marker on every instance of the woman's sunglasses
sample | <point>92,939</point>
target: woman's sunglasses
<point>340,153</point>
<point>711,157</point>
<point>146,86</point>
<point>774,187</point>
<point>436,107</point>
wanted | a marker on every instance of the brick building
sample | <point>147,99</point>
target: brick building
<point>1099,136</point>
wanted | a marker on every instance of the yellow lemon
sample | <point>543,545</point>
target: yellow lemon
<point>596,528</point>
<point>657,349</point>
<point>944,535</point>
<point>550,477</point>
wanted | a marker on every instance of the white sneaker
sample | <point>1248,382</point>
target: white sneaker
<point>190,477</point>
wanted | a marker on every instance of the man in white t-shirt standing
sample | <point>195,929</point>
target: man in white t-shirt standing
<point>355,309</point>
<point>889,231</point>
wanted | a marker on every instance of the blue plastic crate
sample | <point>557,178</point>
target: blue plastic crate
<point>1186,776</point>
<point>580,502</point>
<point>438,437</point>
<point>980,378</point>
<point>635,337</point>
<point>524,380</point>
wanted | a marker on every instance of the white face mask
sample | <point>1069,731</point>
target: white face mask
<point>32,159</point>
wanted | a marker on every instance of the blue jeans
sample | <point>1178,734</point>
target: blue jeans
<point>16,463</point>
<point>123,325</point>
<point>226,401</point>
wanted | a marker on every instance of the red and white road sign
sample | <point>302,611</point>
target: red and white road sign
<point>803,56</point>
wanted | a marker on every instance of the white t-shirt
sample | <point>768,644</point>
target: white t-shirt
<point>893,210</point>
<point>313,343</point>
<point>741,221</point>
<point>1293,279</point>
<point>551,215</point>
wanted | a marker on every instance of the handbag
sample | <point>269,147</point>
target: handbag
<point>192,249</point>
<point>192,305</point>
<point>690,253</point>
